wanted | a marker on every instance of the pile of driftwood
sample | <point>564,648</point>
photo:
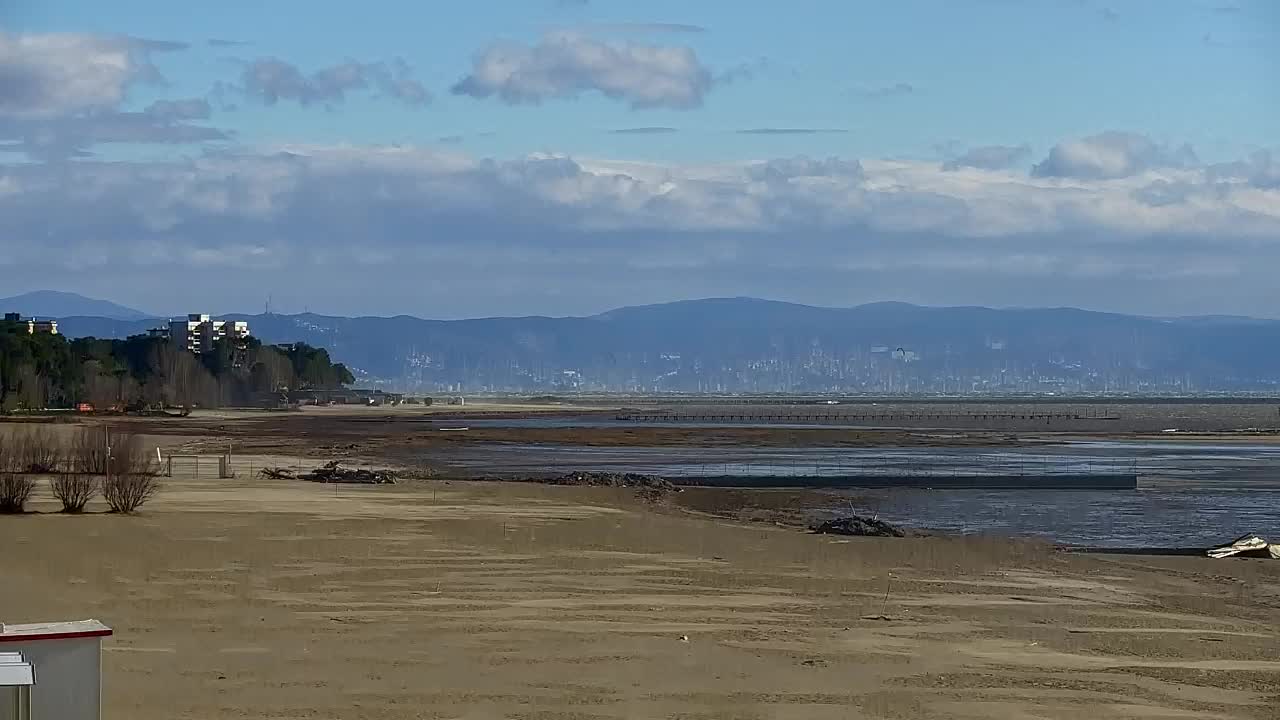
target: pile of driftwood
<point>648,487</point>
<point>333,472</point>
<point>858,526</point>
<point>606,479</point>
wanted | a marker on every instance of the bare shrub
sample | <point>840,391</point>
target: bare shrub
<point>129,455</point>
<point>110,452</point>
<point>127,493</point>
<point>74,491</point>
<point>37,451</point>
<point>89,453</point>
<point>15,490</point>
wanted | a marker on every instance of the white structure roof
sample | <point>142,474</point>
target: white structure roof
<point>14,670</point>
<point>52,631</point>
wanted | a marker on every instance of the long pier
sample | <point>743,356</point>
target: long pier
<point>837,418</point>
<point>1049,481</point>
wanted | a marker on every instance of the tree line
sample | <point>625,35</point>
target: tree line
<point>39,371</point>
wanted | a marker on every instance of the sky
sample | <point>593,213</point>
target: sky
<point>566,157</point>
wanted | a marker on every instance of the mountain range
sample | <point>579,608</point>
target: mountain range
<point>54,303</point>
<point>751,345</point>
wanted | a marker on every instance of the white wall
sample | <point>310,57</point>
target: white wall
<point>68,678</point>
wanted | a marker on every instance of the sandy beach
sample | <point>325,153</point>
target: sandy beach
<point>253,598</point>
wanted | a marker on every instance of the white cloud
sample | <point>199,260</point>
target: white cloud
<point>1111,155</point>
<point>566,65</point>
<point>46,75</point>
<point>72,136</point>
<point>62,93</point>
<point>188,109</point>
<point>990,157</point>
<point>270,80</point>
<point>1262,170</point>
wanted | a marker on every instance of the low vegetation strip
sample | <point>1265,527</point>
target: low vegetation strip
<point>116,465</point>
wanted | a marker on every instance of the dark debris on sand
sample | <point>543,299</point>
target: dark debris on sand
<point>858,526</point>
<point>333,472</point>
<point>650,487</point>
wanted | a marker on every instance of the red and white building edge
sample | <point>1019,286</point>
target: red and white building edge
<point>51,671</point>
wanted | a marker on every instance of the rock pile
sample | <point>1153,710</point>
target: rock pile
<point>859,526</point>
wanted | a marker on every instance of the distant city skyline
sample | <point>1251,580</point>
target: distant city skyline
<point>502,158</point>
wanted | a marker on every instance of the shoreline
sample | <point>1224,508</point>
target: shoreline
<point>463,598</point>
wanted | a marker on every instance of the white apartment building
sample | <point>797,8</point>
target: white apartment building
<point>198,332</point>
<point>33,325</point>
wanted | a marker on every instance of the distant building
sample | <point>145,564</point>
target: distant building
<point>198,333</point>
<point>34,325</point>
<point>344,396</point>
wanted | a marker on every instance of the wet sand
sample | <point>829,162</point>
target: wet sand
<point>249,598</point>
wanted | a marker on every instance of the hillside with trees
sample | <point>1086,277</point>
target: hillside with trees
<point>40,371</point>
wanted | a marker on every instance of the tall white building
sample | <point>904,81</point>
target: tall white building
<point>198,332</point>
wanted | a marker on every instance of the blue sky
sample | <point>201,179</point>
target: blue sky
<point>982,72</point>
<point>1026,149</point>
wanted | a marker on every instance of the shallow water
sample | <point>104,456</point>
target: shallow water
<point>1143,518</point>
<point>1189,494</point>
<point>1158,464</point>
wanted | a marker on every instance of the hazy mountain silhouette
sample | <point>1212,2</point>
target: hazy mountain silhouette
<point>53,303</point>
<point>746,344</point>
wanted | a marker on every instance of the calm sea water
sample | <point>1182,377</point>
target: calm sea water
<point>1149,517</point>
<point>1190,494</point>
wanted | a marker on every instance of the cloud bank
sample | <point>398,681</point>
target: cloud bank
<point>619,231</point>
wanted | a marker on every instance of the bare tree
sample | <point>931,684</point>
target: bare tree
<point>31,388</point>
<point>101,389</point>
<point>15,490</point>
<point>184,379</point>
<point>127,493</point>
<point>74,491</point>
<point>270,371</point>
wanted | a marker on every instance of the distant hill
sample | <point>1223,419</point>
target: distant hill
<point>52,303</point>
<point>749,345</point>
